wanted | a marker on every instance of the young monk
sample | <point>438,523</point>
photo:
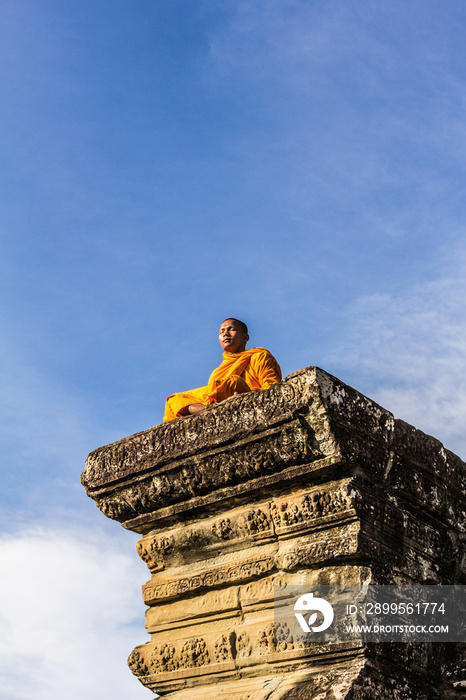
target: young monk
<point>241,371</point>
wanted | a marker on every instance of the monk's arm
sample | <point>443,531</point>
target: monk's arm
<point>268,370</point>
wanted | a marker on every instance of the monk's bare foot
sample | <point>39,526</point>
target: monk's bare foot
<point>196,407</point>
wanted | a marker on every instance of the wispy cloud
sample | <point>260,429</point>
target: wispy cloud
<point>70,614</point>
<point>409,349</point>
<point>361,108</point>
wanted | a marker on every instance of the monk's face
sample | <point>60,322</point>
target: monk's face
<point>231,337</point>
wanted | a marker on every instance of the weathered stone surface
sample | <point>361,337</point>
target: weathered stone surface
<point>310,483</point>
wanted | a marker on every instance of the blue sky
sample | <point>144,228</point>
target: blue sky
<point>166,164</point>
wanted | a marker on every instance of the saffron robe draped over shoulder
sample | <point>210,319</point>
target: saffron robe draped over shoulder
<point>239,372</point>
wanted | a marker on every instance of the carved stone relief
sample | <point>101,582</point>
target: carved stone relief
<point>159,589</point>
<point>275,637</point>
<point>194,653</point>
<point>163,659</point>
<point>243,646</point>
<point>157,551</point>
<point>223,649</point>
<point>136,664</point>
<point>310,506</point>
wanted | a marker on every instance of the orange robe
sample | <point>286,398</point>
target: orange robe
<point>240,372</point>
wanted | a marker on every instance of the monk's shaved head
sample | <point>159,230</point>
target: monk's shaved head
<point>243,327</point>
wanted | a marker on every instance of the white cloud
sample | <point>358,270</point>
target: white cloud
<point>411,348</point>
<point>70,613</point>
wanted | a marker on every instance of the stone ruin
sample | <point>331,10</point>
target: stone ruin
<point>308,482</point>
